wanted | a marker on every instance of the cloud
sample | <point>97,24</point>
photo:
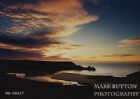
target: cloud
<point>119,55</point>
<point>32,55</point>
<point>52,13</point>
<point>61,14</point>
<point>59,57</point>
<point>130,42</point>
<point>26,41</point>
<point>66,46</point>
<point>18,54</point>
<point>38,24</point>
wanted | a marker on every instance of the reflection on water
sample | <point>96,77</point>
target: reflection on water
<point>45,78</point>
<point>118,70</point>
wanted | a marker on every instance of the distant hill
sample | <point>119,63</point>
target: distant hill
<point>29,66</point>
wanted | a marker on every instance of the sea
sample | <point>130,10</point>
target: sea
<point>110,69</point>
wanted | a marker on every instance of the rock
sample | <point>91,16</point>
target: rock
<point>134,75</point>
<point>90,68</point>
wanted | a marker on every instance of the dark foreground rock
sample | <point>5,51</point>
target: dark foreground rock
<point>131,78</point>
<point>134,75</point>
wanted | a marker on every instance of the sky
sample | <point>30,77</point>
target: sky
<point>85,31</point>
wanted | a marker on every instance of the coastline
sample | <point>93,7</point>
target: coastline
<point>61,85</point>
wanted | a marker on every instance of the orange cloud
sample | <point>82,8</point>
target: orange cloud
<point>130,42</point>
<point>58,57</point>
<point>38,24</point>
<point>66,15</point>
<point>60,13</point>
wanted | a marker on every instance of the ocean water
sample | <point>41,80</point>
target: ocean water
<point>108,69</point>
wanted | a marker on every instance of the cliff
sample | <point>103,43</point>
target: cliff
<point>28,66</point>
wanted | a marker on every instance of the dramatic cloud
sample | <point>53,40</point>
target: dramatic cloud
<point>26,41</point>
<point>130,42</point>
<point>38,24</point>
<point>32,55</point>
<point>19,54</point>
<point>62,14</point>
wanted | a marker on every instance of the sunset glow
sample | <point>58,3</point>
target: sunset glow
<point>70,30</point>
